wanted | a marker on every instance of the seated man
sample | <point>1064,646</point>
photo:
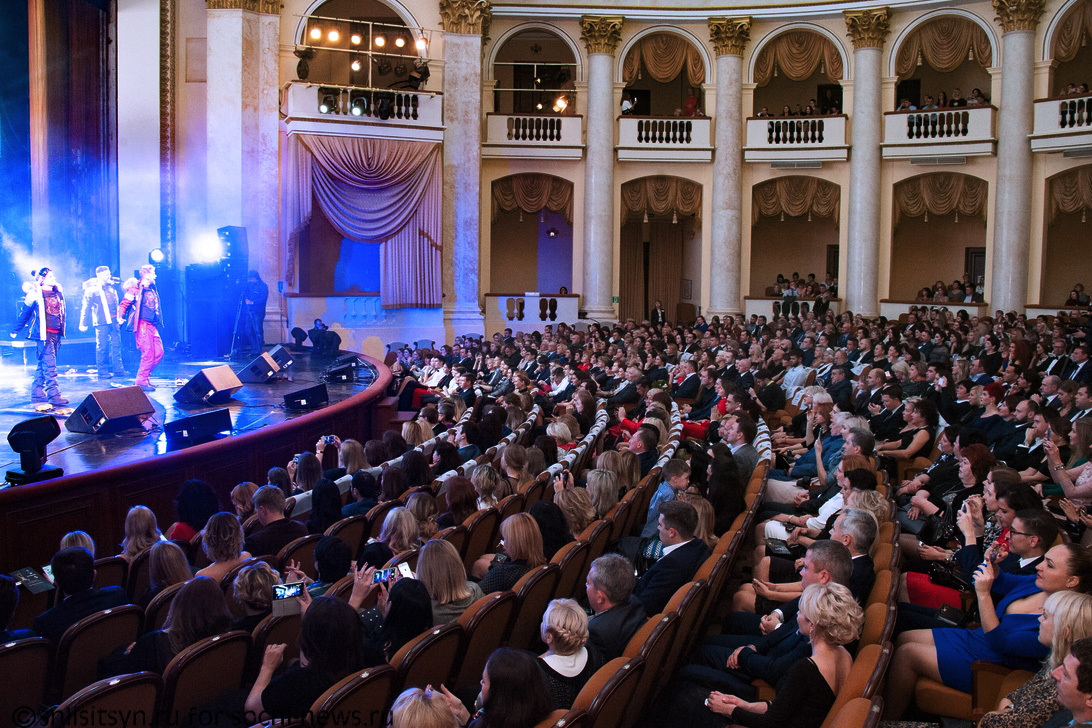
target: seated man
<point>683,554</point>
<point>277,531</point>
<point>9,602</point>
<point>618,613</point>
<point>1074,678</point>
<point>74,577</point>
<point>643,444</point>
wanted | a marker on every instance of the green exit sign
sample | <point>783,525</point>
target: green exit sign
<point>615,299</point>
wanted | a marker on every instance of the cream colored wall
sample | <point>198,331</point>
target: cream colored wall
<point>190,139</point>
<point>785,247</point>
<point>926,252</point>
<point>1067,259</point>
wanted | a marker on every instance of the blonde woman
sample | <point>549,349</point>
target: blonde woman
<point>424,509</point>
<point>141,532</point>
<point>561,434</point>
<point>489,486</point>
<point>82,539</point>
<point>417,708</point>
<point>399,534</point>
<point>521,542</point>
<point>514,467</point>
<point>567,663</point>
<point>414,434</point>
<point>222,542</point>
<point>575,505</point>
<point>603,491</point>
<point>706,518</point>
<point>440,569</point>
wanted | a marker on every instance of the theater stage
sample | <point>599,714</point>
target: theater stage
<point>252,408</point>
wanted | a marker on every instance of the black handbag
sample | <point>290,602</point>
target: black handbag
<point>948,575</point>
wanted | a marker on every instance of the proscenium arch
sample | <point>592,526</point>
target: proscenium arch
<point>682,33</point>
<point>995,46</point>
<point>847,65</point>
<point>507,35</point>
<point>399,9</point>
<point>1052,28</point>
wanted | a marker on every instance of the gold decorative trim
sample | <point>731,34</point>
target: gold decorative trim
<point>868,28</point>
<point>1016,15</point>
<point>167,193</point>
<point>601,34</point>
<point>268,7</point>
<point>730,35</point>
<point>466,17</point>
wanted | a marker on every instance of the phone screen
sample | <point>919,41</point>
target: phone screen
<point>382,575</point>
<point>47,570</point>
<point>287,591</point>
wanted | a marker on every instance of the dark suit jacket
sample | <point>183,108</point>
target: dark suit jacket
<point>688,388</point>
<point>659,583</point>
<point>1081,374</point>
<point>52,623</point>
<point>610,631</point>
<point>863,578</point>
<point>841,393</point>
<point>626,395</point>
<point>274,537</point>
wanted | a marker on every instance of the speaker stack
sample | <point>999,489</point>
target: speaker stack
<point>111,410</point>
<point>214,385</point>
<point>266,365</point>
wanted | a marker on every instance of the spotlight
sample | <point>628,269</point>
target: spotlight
<point>157,256</point>
<point>400,69</point>
<point>380,41</point>
<point>355,39</point>
<point>400,41</point>
<point>207,248</point>
<point>303,69</point>
<point>333,36</point>
<point>329,100</point>
<point>421,44</point>
<point>560,104</point>
<point>385,105</point>
<point>29,438</point>
<point>355,65</point>
<point>316,33</point>
<point>419,75</point>
<point>358,103</point>
<point>383,66</point>
<point>538,106</point>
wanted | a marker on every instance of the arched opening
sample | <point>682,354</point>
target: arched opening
<point>660,256</point>
<point>1069,224</point>
<point>794,229</point>
<point>532,234</point>
<point>1072,51</point>
<point>943,61</point>
<point>535,72</point>
<point>939,234</point>
<point>664,73</point>
<point>798,73</point>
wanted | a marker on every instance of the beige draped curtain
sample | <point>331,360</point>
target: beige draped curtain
<point>797,54</point>
<point>660,196</point>
<point>795,196</point>
<point>941,193</point>
<point>533,193</point>
<point>945,44</point>
<point>296,212</point>
<point>1074,28</point>
<point>1071,192</point>
<point>664,56</point>
<point>665,260</point>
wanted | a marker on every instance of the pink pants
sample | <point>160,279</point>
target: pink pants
<point>151,350</point>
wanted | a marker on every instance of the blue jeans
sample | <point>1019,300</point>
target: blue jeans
<point>45,377</point>
<point>108,349</point>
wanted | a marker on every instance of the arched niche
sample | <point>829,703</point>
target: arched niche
<point>940,52</point>
<point>533,66</point>
<point>1068,228</point>
<point>795,65</point>
<point>662,68</point>
<point>532,234</point>
<point>1067,44</point>
<point>794,228</point>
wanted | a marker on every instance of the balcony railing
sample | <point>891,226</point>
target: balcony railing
<point>352,111</point>
<point>670,139</point>
<point>522,136</point>
<point>814,138</point>
<point>1062,124</point>
<point>963,132</point>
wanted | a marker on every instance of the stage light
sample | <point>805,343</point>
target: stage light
<point>326,106</point>
<point>316,33</point>
<point>538,106</point>
<point>355,39</point>
<point>421,44</point>
<point>419,75</point>
<point>358,104</point>
<point>355,65</point>
<point>333,36</point>
<point>400,41</point>
<point>380,41</point>
<point>382,66</point>
<point>560,104</point>
<point>157,256</point>
<point>207,248</point>
<point>29,438</point>
<point>329,100</point>
<point>385,105</point>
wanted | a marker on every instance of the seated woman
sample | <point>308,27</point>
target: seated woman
<point>196,502</point>
<point>514,467</point>
<point>399,534</point>
<point>1008,631</point>
<point>325,506</point>
<point>567,662</point>
<point>424,509</point>
<point>253,588</point>
<point>603,491</point>
<point>141,532</point>
<point>521,543</point>
<point>417,708</point>
<point>461,501</point>
<point>402,612</point>
<point>305,470</point>
<point>197,611</point>
<point>829,617</point>
<point>350,457</point>
<point>575,503</point>
<point>167,565</point>
<point>331,647</point>
<point>514,693</point>
<point>916,438</point>
<point>490,486</point>
<point>332,561</point>
<point>222,542</point>
<point>242,500</point>
<point>975,462</point>
<point>441,570</point>
<point>551,525</point>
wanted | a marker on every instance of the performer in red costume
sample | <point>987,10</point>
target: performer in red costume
<point>143,314</point>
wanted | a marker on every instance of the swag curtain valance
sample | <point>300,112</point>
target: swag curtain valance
<point>795,196</point>
<point>944,44</point>
<point>376,191</point>
<point>1075,26</point>
<point>660,196</point>
<point>797,54</point>
<point>664,55</point>
<point>1071,192</point>
<point>533,193</point>
<point>941,193</point>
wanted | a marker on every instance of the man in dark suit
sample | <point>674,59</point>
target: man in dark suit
<point>840,389</point>
<point>643,444</point>
<point>1081,369</point>
<point>618,613</point>
<point>688,387</point>
<point>74,577</point>
<point>626,394</point>
<point>277,531</point>
<point>886,420</point>
<point>738,432</point>
<point>683,554</point>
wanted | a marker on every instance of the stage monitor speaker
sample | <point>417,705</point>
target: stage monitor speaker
<point>200,427</point>
<point>309,398</point>
<point>111,410</point>
<point>339,373</point>
<point>260,370</point>
<point>214,385</point>
<point>282,356</point>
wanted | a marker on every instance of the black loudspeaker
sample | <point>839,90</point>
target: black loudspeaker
<point>234,261</point>
<point>339,373</point>
<point>282,356</point>
<point>309,398</point>
<point>111,410</point>
<point>260,370</point>
<point>199,428</point>
<point>213,385</point>
<point>211,304</point>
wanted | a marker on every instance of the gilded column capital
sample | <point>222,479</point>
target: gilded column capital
<point>730,35</point>
<point>868,28</point>
<point>601,34</point>
<point>466,17</point>
<point>1018,14</point>
<point>268,7</point>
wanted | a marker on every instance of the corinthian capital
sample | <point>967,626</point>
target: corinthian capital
<point>466,17</point>
<point>729,35</point>
<point>1018,14</point>
<point>268,7</point>
<point>601,34</point>
<point>867,28</point>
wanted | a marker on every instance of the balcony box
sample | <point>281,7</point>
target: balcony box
<point>800,138</point>
<point>963,132</point>
<point>411,115</point>
<point>527,136</point>
<point>1063,125</point>
<point>664,139</point>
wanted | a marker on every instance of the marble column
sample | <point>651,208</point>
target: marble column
<point>465,23</point>
<point>1012,206</point>
<point>601,36</point>
<point>729,38</point>
<point>867,29</point>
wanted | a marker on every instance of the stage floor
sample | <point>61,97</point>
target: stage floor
<point>253,407</point>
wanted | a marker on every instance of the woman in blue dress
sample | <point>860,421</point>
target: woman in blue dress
<point>1009,631</point>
